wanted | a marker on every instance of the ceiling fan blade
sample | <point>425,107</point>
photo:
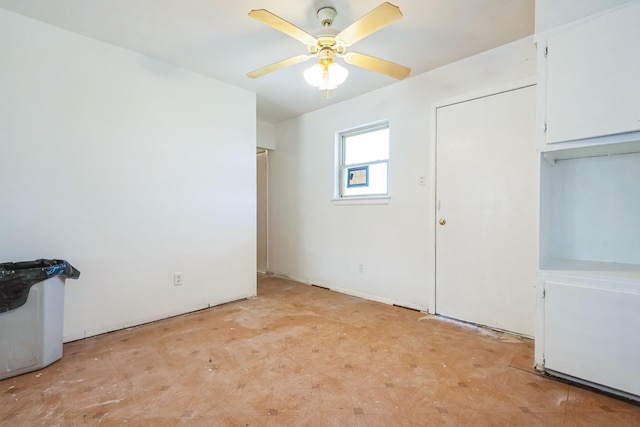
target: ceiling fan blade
<point>373,21</point>
<point>278,65</point>
<point>378,65</point>
<point>280,24</point>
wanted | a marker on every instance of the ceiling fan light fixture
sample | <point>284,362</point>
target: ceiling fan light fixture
<point>326,76</point>
<point>326,83</point>
<point>327,93</point>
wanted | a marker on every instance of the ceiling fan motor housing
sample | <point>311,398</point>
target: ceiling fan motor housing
<point>326,15</point>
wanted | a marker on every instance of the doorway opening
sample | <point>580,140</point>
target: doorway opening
<point>262,211</point>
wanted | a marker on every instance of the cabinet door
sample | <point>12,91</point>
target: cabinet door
<point>593,77</point>
<point>591,332</point>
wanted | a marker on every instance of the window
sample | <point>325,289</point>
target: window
<point>364,161</point>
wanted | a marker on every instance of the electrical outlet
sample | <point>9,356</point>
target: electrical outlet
<point>177,279</point>
<point>422,180</point>
<point>361,267</point>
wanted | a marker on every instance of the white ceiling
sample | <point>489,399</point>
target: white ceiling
<point>218,39</point>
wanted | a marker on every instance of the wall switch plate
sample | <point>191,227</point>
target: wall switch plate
<point>177,279</point>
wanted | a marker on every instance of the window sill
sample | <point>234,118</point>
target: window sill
<point>362,200</point>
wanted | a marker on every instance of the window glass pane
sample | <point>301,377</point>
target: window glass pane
<point>377,182</point>
<point>366,147</point>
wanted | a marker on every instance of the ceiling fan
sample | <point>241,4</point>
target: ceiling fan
<point>327,74</point>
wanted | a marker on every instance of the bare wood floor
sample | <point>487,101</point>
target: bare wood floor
<point>298,355</point>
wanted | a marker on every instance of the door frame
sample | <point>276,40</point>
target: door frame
<point>432,194</point>
<point>264,151</point>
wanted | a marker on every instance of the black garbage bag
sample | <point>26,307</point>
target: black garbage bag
<point>16,279</point>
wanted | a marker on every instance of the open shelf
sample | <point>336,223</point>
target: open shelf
<point>557,152</point>
<point>590,212</point>
<point>594,269</point>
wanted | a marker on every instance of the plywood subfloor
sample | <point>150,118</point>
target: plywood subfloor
<point>298,355</point>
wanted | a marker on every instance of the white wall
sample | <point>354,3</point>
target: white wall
<point>317,241</point>
<point>552,13</point>
<point>266,135</point>
<point>131,169</point>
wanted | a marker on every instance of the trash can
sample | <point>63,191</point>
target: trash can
<point>31,314</point>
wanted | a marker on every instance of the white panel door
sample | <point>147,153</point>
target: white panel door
<point>486,248</point>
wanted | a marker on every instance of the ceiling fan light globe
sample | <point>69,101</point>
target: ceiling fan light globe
<point>337,74</point>
<point>327,84</point>
<point>313,75</point>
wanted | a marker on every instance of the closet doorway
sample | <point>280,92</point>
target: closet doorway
<point>261,210</point>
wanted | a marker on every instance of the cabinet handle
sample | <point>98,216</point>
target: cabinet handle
<point>442,221</point>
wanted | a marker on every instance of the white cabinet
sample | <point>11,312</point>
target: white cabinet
<point>585,342</point>
<point>592,78</point>
<point>588,310</point>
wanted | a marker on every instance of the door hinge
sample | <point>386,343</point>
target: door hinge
<point>544,127</point>
<point>544,293</point>
<point>546,51</point>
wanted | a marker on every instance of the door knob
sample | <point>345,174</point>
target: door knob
<point>442,221</point>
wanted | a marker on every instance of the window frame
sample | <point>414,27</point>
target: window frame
<point>341,168</point>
